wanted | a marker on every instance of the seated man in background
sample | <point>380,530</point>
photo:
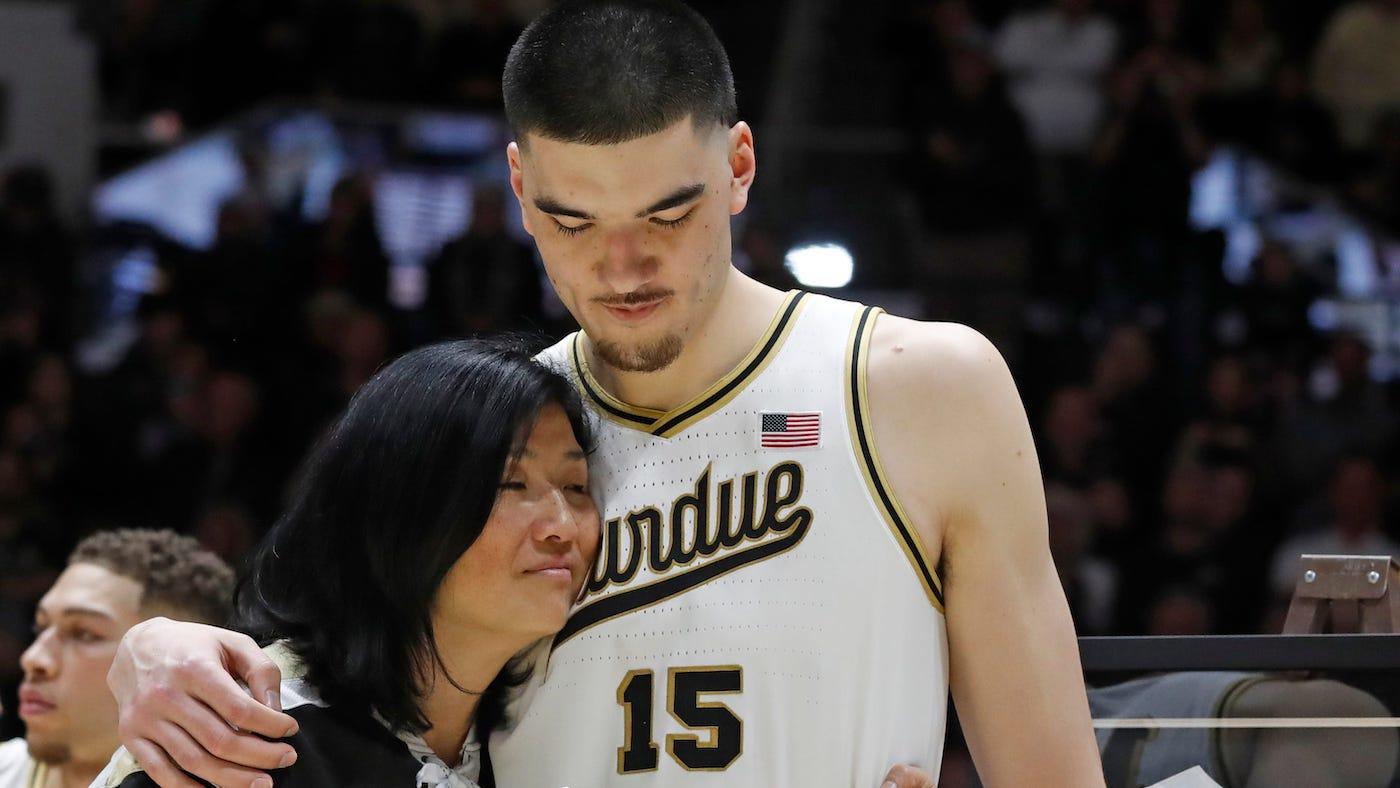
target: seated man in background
<point>114,580</point>
<point>1252,757</point>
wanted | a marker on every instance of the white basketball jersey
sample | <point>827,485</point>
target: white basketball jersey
<point>760,613</point>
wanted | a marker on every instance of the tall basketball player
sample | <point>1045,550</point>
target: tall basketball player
<point>816,516</point>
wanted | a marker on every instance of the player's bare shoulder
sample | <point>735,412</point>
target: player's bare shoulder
<point>938,393</point>
<point>918,358</point>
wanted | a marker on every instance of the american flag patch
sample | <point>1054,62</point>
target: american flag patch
<point>789,430</point>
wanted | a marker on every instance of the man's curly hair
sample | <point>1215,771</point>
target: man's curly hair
<point>177,575</point>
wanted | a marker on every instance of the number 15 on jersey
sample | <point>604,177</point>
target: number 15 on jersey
<point>685,687</point>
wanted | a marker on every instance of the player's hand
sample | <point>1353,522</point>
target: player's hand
<point>906,776</point>
<point>182,709</point>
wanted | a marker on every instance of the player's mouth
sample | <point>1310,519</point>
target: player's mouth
<point>635,313</point>
<point>32,704</point>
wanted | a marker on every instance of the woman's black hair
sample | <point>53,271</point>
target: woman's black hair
<point>384,505</point>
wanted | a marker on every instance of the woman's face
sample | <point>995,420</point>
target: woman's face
<point>520,577</point>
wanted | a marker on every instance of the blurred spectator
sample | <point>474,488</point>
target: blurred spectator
<point>215,455</point>
<point>485,280</point>
<point>233,290</point>
<point>361,350</point>
<point>1181,610</point>
<point>925,42</point>
<point>1072,434</point>
<point>1116,519</point>
<point>227,530</point>
<point>1344,412</point>
<point>1270,309</point>
<point>344,251</point>
<point>1205,542</point>
<point>1090,583</point>
<point>1146,154</point>
<point>1055,58</point>
<point>1375,184</point>
<point>972,152</point>
<point>36,250</point>
<point>368,50</point>
<point>1247,51</point>
<point>20,327</point>
<point>1231,421</point>
<point>1127,383</point>
<point>1292,128</point>
<point>1356,71</point>
<point>47,447</point>
<point>1357,498</point>
<point>469,54</point>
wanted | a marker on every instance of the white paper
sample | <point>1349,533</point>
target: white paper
<point>1195,777</point>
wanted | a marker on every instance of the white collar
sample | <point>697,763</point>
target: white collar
<point>434,772</point>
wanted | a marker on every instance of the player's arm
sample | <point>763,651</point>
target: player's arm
<point>182,708</point>
<point>956,444</point>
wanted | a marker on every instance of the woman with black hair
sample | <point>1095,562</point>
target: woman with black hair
<point>442,527</point>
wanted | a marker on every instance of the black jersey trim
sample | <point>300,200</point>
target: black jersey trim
<point>858,412</point>
<point>672,585</point>
<point>667,424</point>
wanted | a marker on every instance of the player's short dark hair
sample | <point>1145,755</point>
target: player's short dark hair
<point>388,500</point>
<point>178,576</point>
<point>600,72</point>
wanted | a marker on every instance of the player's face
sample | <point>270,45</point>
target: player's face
<point>520,577</point>
<point>635,236</point>
<point>68,711</point>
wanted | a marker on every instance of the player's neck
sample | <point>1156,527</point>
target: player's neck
<point>745,310</point>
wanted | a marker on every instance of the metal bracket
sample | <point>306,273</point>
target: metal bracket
<point>1371,582</point>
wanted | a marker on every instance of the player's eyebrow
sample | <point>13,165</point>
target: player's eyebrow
<point>75,610</point>
<point>680,196</point>
<point>551,205</point>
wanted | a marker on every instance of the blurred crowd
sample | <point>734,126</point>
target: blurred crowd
<point>1196,434</point>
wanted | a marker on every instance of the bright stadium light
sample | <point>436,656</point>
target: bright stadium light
<point>821,265</point>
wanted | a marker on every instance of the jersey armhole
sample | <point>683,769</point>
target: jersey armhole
<point>867,457</point>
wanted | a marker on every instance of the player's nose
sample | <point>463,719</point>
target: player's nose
<point>38,660</point>
<point>626,264</point>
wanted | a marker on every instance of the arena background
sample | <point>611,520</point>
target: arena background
<point>219,217</point>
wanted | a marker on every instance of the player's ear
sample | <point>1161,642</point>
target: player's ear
<point>517,184</point>
<point>742,165</point>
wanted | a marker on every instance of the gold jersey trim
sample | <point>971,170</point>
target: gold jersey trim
<point>667,424</point>
<point>863,442</point>
<point>125,766</point>
<point>38,774</point>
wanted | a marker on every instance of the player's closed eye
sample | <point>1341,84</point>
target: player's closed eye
<point>566,229</point>
<point>668,223</point>
<point>83,636</point>
<point>674,223</point>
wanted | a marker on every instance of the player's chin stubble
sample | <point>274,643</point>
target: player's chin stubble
<point>649,357</point>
